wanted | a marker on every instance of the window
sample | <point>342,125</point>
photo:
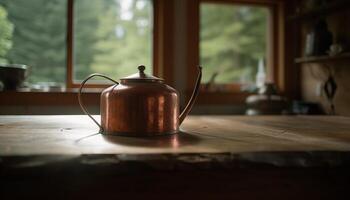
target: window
<point>104,36</point>
<point>233,39</point>
<point>112,37</point>
<point>220,37</point>
<point>33,32</point>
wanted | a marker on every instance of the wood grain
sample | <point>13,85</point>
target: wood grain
<point>74,135</point>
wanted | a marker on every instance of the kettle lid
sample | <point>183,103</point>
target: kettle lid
<point>141,76</point>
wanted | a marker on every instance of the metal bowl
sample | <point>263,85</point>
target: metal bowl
<point>12,76</point>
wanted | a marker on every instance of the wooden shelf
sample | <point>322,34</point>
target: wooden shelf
<point>325,58</point>
<point>321,11</point>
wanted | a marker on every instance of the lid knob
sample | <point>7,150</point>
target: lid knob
<point>141,68</point>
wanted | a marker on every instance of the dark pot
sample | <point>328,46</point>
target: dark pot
<point>12,76</point>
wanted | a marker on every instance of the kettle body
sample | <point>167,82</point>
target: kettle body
<point>140,105</point>
<point>140,108</point>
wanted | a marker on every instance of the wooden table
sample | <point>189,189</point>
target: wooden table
<point>218,157</point>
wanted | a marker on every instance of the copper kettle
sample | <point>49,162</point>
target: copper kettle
<point>140,105</point>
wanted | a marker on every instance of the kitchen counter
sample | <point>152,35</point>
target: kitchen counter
<point>280,157</point>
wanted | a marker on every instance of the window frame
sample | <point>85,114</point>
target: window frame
<point>285,73</point>
<point>275,56</point>
<point>163,32</point>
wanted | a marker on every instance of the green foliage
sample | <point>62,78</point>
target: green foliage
<point>6,29</point>
<point>232,40</point>
<point>86,27</point>
<point>113,37</point>
<point>39,37</point>
<point>123,42</point>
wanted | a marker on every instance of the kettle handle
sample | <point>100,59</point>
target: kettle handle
<point>193,98</point>
<point>80,100</point>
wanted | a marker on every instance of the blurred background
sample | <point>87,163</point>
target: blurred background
<point>242,45</point>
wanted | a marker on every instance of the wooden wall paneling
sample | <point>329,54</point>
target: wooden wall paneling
<point>192,14</point>
<point>69,47</point>
<point>289,37</point>
<point>163,59</point>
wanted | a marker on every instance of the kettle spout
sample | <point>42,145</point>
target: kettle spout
<point>193,97</point>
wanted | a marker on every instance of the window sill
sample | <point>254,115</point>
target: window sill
<point>91,96</point>
<point>221,97</point>
<point>49,97</point>
<point>221,94</point>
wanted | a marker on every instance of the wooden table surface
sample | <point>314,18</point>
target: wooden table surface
<point>28,135</point>
<point>215,157</point>
<point>239,135</point>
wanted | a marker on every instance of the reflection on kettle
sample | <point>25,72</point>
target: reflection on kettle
<point>140,105</point>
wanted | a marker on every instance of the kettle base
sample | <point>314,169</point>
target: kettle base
<point>139,134</point>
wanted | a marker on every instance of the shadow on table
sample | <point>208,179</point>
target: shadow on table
<point>174,140</point>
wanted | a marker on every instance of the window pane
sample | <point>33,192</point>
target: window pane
<point>112,37</point>
<point>33,32</point>
<point>233,38</point>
